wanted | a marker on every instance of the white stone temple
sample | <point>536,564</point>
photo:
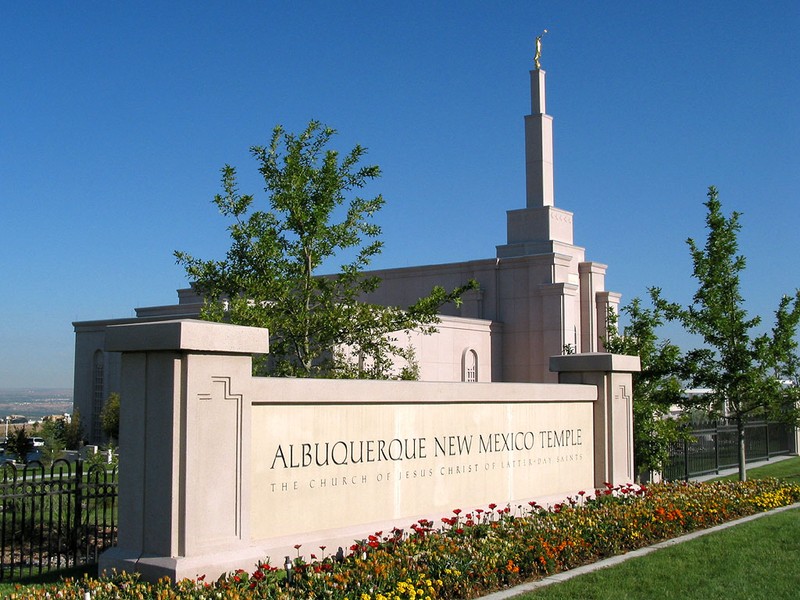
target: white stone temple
<point>538,297</point>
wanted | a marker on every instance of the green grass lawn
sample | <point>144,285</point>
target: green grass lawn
<point>787,470</point>
<point>759,559</point>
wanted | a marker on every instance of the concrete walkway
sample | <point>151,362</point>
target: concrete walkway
<point>615,560</point>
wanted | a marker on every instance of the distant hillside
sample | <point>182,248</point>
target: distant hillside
<point>34,403</point>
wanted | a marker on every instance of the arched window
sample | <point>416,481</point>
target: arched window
<point>98,388</point>
<point>469,366</point>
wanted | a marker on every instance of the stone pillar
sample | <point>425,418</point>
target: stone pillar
<point>605,301</point>
<point>556,327</point>
<point>592,278</point>
<point>184,472</point>
<point>613,411</point>
<point>795,441</point>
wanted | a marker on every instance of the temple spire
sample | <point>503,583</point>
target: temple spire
<point>538,147</point>
<point>540,227</point>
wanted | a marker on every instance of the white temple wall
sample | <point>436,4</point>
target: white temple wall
<point>537,298</point>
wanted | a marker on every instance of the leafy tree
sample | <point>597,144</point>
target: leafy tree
<point>656,388</point>
<point>19,443</point>
<point>109,417</point>
<point>72,432</point>
<point>782,361</point>
<point>52,432</point>
<point>270,277</point>
<point>740,368</point>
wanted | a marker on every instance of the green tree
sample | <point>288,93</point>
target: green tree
<point>19,443</point>
<point>52,432</point>
<point>109,417</point>
<point>782,361</point>
<point>740,368</point>
<point>72,432</point>
<point>656,388</point>
<point>270,277</point>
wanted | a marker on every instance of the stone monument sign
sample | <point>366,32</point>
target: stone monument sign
<point>220,469</point>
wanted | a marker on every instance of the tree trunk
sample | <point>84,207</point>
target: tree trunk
<point>742,457</point>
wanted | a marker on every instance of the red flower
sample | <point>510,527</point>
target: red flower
<point>492,506</point>
<point>457,511</point>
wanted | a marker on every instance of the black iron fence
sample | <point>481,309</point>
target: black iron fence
<point>55,517</point>
<point>715,447</point>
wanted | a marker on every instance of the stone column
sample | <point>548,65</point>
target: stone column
<point>184,470</point>
<point>556,327</point>
<point>796,441</point>
<point>605,301</point>
<point>592,278</point>
<point>613,411</point>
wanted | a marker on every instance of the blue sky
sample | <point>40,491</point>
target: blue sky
<point>116,118</point>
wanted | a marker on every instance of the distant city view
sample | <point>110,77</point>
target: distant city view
<point>34,403</point>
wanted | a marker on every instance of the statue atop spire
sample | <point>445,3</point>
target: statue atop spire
<point>538,55</point>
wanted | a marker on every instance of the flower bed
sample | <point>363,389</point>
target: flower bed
<point>471,553</point>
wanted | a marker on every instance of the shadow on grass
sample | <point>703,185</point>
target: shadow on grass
<point>48,578</point>
<point>786,470</point>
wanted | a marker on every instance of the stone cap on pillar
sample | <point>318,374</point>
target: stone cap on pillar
<point>187,335</point>
<point>595,362</point>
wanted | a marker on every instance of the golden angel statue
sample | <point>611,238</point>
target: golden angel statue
<point>538,55</point>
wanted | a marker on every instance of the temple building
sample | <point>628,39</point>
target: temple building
<point>538,297</point>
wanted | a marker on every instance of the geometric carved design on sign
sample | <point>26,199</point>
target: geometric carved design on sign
<point>228,396</point>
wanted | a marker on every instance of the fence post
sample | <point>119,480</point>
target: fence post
<point>685,459</point>
<point>78,514</point>
<point>716,445</point>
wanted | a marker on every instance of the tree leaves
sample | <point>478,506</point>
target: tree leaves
<point>270,275</point>
<point>742,369</point>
